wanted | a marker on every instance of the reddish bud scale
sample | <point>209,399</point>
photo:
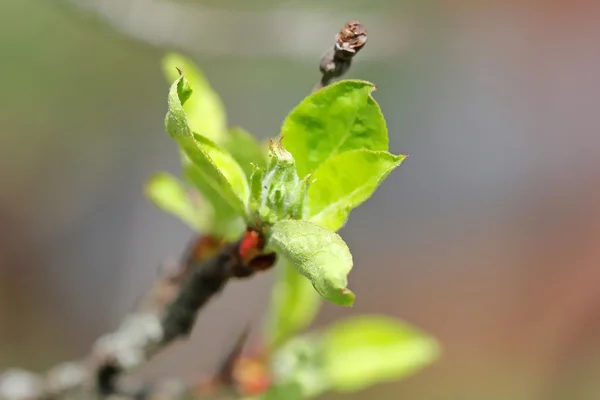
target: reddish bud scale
<point>251,250</point>
<point>251,245</point>
<point>252,376</point>
<point>204,247</point>
<point>263,262</point>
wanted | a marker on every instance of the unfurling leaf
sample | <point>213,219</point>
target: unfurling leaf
<point>333,120</point>
<point>366,350</point>
<point>344,182</point>
<point>215,166</point>
<point>204,109</point>
<point>294,304</point>
<point>317,253</point>
<point>226,221</point>
<point>171,195</point>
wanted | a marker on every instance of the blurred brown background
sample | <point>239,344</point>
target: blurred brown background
<point>488,235</point>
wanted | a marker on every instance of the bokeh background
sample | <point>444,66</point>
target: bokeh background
<point>488,236</point>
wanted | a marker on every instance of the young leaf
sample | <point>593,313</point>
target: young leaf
<point>204,109</point>
<point>217,167</point>
<point>366,350</point>
<point>245,149</point>
<point>171,195</point>
<point>256,187</point>
<point>318,254</point>
<point>294,304</point>
<point>344,182</point>
<point>299,362</point>
<point>225,221</point>
<point>335,119</point>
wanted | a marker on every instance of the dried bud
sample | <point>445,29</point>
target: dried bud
<point>336,62</point>
<point>351,38</point>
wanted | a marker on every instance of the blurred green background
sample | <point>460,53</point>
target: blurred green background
<point>487,236</point>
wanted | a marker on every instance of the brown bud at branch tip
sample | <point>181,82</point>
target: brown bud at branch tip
<point>351,38</point>
<point>337,61</point>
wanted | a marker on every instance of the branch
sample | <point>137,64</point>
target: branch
<point>168,313</point>
<point>337,61</point>
<point>175,300</point>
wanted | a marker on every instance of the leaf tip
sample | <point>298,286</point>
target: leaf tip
<point>371,88</point>
<point>347,298</point>
<point>398,159</point>
<point>279,150</point>
<point>154,179</point>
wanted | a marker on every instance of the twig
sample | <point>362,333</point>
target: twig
<point>145,333</point>
<point>223,381</point>
<point>168,313</point>
<point>337,61</point>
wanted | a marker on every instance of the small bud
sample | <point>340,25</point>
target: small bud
<point>280,196</point>
<point>252,376</point>
<point>337,61</point>
<point>352,37</point>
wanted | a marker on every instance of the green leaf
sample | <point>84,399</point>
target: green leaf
<point>226,221</point>
<point>245,149</point>
<point>335,119</point>
<point>294,304</point>
<point>344,182</point>
<point>366,350</point>
<point>171,195</point>
<point>216,167</point>
<point>318,254</point>
<point>204,109</point>
<point>256,190</point>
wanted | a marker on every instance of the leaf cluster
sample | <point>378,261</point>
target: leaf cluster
<point>330,157</point>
